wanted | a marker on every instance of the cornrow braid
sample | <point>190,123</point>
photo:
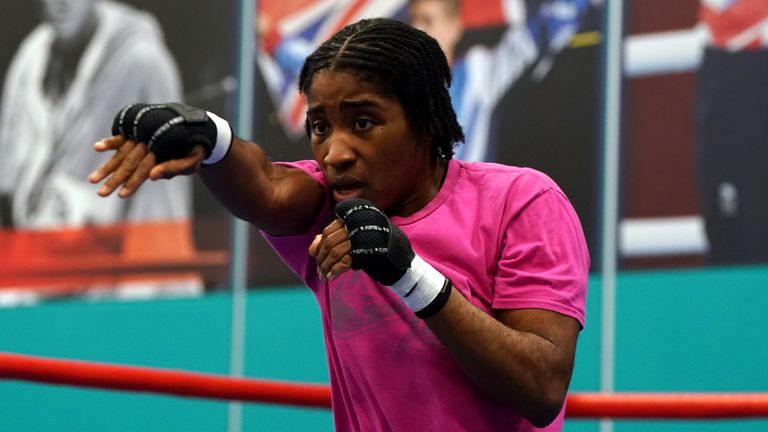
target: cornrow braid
<point>402,60</point>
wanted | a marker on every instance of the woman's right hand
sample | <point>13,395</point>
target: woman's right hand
<point>132,164</point>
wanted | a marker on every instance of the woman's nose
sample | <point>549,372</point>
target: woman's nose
<point>340,152</point>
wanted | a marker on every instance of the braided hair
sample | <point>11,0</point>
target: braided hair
<point>401,60</point>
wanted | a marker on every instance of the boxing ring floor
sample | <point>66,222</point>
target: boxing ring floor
<point>687,331</point>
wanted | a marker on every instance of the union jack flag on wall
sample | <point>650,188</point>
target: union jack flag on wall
<point>291,29</point>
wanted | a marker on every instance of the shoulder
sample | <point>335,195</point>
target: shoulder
<point>146,35</point>
<point>31,55</point>
<point>125,16</point>
<point>39,38</point>
<point>142,55</point>
<point>499,177</point>
<point>504,189</point>
<point>310,167</point>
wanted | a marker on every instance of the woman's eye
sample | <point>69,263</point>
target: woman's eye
<point>363,124</point>
<point>319,127</point>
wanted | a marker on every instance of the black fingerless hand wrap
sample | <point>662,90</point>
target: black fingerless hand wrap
<point>170,130</point>
<point>383,251</point>
<point>379,248</point>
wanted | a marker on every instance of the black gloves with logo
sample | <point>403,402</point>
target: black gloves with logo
<point>382,250</point>
<point>170,130</point>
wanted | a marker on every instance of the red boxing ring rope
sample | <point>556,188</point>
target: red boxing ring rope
<point>200,385</point>
<point>142,379</point>
<point>667,405</point>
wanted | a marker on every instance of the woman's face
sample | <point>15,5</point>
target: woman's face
<point>362,140</point>
<point>67,16</point>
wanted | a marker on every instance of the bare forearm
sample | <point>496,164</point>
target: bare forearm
<point>273,198</point>
<point>242,173</point>
<point>521,368</point>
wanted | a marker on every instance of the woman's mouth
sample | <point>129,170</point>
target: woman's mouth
<point>345,189</point>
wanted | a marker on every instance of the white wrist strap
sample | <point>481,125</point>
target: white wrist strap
<point>420,285</point>
<point>223,140</point>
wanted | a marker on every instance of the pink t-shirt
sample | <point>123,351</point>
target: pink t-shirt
<point>507,238</point>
